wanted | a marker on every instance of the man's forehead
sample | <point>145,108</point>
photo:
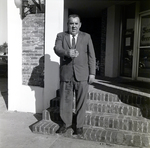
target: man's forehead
<point>71,19</point>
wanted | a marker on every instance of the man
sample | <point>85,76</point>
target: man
<point>77,71</point>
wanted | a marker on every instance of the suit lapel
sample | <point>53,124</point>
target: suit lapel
<point>79,39</point>
<point>67,38</point>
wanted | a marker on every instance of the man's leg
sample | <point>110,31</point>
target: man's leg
<point>81,99</point>
<point>66,100</point>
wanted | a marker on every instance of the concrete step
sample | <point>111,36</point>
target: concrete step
<point>102,135</point>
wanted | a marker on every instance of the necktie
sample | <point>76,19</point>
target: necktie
<point>73,42</point>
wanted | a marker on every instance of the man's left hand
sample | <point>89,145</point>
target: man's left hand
<point>91,78</point>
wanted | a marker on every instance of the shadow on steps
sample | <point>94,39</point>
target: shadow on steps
<point>127,95</point>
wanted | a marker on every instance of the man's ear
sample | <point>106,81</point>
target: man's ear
<point>80,24</point>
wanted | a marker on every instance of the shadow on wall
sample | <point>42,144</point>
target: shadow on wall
<point>52,81</point>
<point>36,83</point>
<point>37,75</point>
<point>43,82</point>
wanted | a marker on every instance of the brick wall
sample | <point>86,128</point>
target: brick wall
<point>33,50</point>
<point>103,42</point>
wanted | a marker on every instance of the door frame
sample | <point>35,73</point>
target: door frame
<point>144,13</point>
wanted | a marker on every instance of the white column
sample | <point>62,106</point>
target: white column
<point>14,55</point>
<point>112,42</point>
<point>53,24</point>
<point>65,19</point>
<point>20,97</point>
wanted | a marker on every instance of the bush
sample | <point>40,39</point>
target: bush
<point>4,48</point>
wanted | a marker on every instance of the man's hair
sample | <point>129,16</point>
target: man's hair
<point>74,15</point>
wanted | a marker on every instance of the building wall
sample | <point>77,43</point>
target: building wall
<point>3,21</point>
<point>22,97</point>
<point>33,40</point>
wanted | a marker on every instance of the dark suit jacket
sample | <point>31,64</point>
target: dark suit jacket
<point>83,65</point>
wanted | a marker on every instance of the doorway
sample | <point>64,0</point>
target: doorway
<point>128,23</point>
<point>92,26</point>
<point>135,44</point>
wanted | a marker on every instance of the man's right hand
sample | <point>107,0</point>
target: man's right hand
<point>73,53</point>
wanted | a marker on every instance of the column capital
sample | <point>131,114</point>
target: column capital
<point>18,3</point>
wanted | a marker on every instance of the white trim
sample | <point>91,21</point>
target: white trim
<point>144,47</point>
<point>144,79</point>
<point>144,12</point>
<point>135,46</point>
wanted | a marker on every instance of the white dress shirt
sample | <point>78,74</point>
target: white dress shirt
<point>71,36</point>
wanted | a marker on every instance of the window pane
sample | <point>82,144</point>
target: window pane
<point>145,31</point>
<point>144,63</point>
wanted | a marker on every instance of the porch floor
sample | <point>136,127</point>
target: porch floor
<point>121,85</point>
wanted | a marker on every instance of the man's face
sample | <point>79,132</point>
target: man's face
<point>74,25</point>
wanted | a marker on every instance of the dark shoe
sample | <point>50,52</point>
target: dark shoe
<point>62,129</point>
<point>78,131</point>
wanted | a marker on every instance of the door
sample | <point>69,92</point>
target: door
<point>144,47</point>
<point>127,44</point>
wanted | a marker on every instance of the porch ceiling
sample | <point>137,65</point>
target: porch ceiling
<point>91,8</point>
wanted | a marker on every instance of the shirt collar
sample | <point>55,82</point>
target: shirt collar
<point>74,36</point>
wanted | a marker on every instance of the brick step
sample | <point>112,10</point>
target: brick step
<point>117,108</point>
<point>130,124</point>
<point>130,105</point>
<point>103,97</point>
<point>106,97</point>
<point>117,122</point>
<point>132,99</point>
<point>102,135</point>
<point>98,97</point>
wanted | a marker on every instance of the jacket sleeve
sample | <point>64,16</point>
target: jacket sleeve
<point>91,57</point>
<point>58,48</point>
